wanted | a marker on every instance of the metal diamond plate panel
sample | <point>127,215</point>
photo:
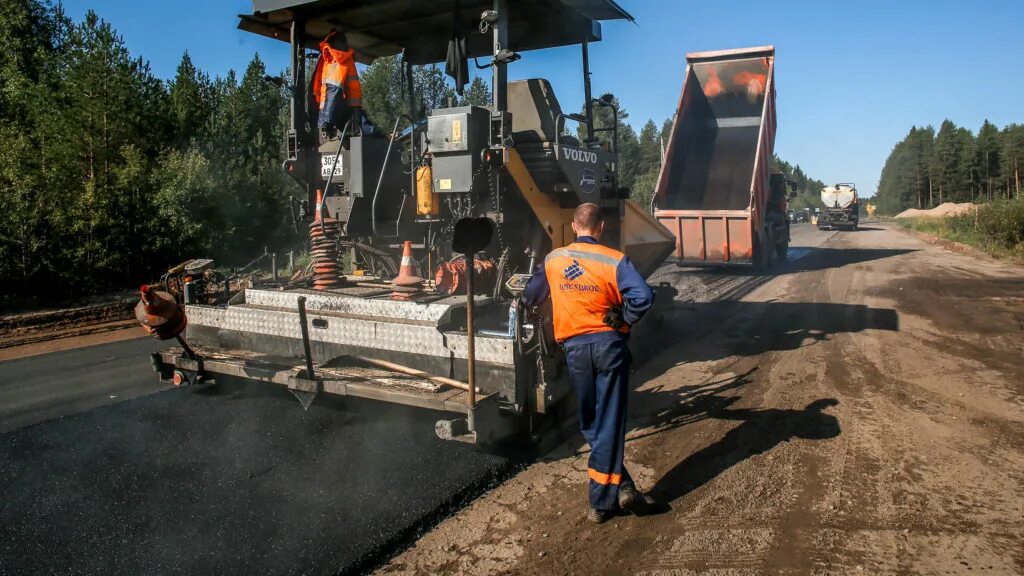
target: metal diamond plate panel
<point>342,304</point>
<point>487,348</point>
<point>204,315</point>
<point>382,335</point>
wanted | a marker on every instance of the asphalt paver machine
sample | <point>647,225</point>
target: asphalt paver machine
<point>367,327</point>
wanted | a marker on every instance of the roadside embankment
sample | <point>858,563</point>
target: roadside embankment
<point>997,228</point>
<point>28,328</point>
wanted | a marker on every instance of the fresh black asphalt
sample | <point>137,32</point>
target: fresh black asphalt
<point>231,480</point>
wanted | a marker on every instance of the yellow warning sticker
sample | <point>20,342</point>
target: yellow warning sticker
<point>456,130</point>
<point>444,184</point>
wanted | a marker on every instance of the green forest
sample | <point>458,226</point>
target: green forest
<point>109,174</point>
<point>927,168</point>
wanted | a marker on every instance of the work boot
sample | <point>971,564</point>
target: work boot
<point>634,501</point>
<point>599,516</point>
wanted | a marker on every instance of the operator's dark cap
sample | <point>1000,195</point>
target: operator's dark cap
<point>337,40</point>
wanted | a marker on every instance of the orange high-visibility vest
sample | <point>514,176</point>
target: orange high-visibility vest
<point>583,284</point>
<point>337,68</point>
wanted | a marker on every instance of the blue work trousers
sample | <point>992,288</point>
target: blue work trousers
<point>600,375</point>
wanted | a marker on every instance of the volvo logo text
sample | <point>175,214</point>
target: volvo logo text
<point>580,155</point>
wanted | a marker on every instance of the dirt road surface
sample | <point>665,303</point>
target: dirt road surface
<point>862,412</point>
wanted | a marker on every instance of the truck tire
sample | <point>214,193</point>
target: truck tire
<point>782,251</point>
<point>760,259</point>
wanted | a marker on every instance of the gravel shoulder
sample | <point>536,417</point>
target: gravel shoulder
<point>20,331</point>
<point>859,413</point>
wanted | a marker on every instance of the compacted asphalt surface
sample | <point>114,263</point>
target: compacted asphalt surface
<point>222,480</point>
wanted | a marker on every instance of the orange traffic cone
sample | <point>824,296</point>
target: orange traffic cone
<point>406,274</point>
<point>407,283</point>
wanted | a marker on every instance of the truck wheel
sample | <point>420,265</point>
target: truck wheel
<point>769,248</point>
<point>782,251</point>
<point>760,259</point>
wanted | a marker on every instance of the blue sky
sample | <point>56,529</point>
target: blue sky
<point>852,77</point>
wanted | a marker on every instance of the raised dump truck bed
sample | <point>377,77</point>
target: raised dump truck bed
<point>715,192</point>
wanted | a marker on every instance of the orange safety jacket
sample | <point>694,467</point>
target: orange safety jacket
<point>583,279</point>
<point>336,79</point>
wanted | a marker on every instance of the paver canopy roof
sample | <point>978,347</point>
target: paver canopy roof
<point>422,28</point>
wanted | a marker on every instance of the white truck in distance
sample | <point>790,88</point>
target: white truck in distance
<point>841,207</point>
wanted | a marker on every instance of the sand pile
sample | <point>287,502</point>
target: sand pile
<point>941,211</point>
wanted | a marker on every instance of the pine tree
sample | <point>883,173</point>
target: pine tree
<point>32,35</point>
<point>244,150</point>
<point>113,117</point>
<point>432,89</point>
<point>649,148</point>
<point>919,190</point>
<point>385,92</point>
<point>191,101</point>
<point>1013,157</point>
<point>891,181</point>
<point>478,93</point>
<point>950,153</point>
<point>987,159</point>
<point>648,163</point>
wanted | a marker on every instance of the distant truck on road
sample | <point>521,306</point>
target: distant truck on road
<point>841,207</point>
<point>716,192</point>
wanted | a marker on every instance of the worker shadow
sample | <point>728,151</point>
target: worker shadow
<point>659,409</point>
<point>759,431</point>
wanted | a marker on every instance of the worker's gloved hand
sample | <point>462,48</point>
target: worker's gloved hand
<point>613,317</point>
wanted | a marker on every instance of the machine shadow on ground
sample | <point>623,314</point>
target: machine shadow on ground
<point>803,259</point>
<point>754,328</point>
<point>827,258</point>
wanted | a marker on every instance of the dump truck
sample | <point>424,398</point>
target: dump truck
<point>392,308</point>
<point>841,207</point>
<point>715,191</point>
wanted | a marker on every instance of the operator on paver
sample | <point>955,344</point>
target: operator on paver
<point>596,296</point>
<point>336,86</point>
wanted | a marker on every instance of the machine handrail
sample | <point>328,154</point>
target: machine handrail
<point>383,168</point>
<point>560,122</point>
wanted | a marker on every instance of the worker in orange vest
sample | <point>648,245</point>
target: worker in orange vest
<point>596,296</point>
<point>336,84</point>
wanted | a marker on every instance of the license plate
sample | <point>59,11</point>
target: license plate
<point>326,163</point>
